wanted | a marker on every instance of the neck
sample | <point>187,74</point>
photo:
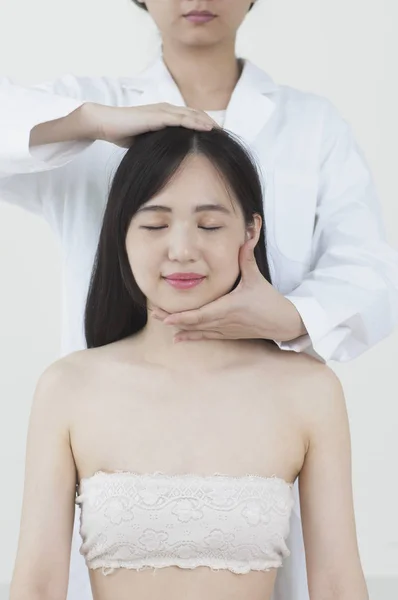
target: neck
<point>206,77</point>
<point>157,347</point>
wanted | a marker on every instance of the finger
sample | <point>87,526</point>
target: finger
<point>194,122</point>
<point>205,317</point>
<point>190,117</point>
<point>211,326</point>
<point>247,261</point>
<point>192,318</point>
<point>201,114</point>
<point>198,121</point>
<point>188,110</point>
<point>158,313</point>
<point>196,336</point>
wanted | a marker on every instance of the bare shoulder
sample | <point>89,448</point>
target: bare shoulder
<point>306,373</point>
<point>68,376</point>
<point>315,375</point>
<point>315,382</point>
<point>319,397</point>
<point>313,389</point>
<point>65,371</point>
<point>299,368</point>
<point>62,380</point>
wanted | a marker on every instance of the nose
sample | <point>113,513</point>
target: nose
<point>182,246</point>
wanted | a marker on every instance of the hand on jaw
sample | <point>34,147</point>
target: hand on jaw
<point>254,310</point>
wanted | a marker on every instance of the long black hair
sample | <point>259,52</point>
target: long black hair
<point>144,7</point>
<point>116,307</point>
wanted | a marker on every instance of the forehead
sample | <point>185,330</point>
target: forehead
<point>196,182</point>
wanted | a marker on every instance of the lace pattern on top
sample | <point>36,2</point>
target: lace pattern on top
<point>140,521</point>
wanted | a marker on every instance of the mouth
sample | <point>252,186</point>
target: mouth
<point>200,16</point>
<point>184,281</point>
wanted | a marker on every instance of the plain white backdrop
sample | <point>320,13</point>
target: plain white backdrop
<point>343,50</point>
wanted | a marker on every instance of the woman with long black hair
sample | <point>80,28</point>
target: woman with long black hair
<point>334,278</point>
<point>184,455</point>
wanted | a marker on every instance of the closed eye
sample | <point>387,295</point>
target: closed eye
<point>210,228</point>
<point>151,228</point>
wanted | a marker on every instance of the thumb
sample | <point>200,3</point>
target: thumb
<point>247,262</point>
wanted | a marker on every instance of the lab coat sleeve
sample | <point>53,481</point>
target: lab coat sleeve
<point>349,299</point>
<point>24,171</point>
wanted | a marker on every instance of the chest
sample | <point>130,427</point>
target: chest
<point>155,425</point>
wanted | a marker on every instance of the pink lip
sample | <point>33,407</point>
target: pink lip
<point>199,17</point>
<point>184,281</point>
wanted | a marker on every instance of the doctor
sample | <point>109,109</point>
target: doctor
<point>335,280</point>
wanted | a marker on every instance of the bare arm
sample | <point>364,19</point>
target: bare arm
<point>326,499</point>
<point>42,564</point>
<point>75,126</point>
<point>117,125</point>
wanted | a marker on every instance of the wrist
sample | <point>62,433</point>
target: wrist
<point>86,121</point>
<point>292,326</point>
<point>77,125</point>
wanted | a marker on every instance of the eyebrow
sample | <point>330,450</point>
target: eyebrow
<point>199,208</point>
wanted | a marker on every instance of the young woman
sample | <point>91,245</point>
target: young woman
<point>184,454</point>
<point>334,278</point>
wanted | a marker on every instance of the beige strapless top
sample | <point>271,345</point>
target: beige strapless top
<point>135,521</point>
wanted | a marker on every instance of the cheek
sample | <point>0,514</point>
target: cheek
<point>142,262</point>
<point>224,258</point>
<point>165,17</point>
<point>132,253</point>
<point>234,17</point>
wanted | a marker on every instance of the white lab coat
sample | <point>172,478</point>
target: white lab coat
<point>324,234</point>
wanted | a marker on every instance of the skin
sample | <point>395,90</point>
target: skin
<point>201,59</point>
<point>145,404</point>
<point>167,15</point>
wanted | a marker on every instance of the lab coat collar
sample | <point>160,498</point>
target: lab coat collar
<point>248,111</point>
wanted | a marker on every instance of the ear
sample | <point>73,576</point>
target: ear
<point>253,230</point>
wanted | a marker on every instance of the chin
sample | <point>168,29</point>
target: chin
<point>181,301</point>
<point>181,304</point>
<point>200,39</point>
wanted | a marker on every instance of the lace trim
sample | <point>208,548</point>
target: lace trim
<point>160,474</point>
<point>108,567</point>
